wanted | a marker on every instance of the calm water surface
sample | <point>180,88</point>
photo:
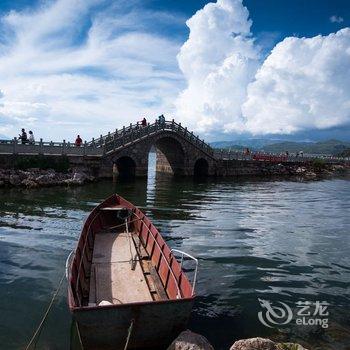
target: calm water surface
<point>275,240</point>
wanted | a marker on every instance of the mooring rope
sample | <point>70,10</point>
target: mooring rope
<point>41,324</point>
<point>79,337</point>
<point>129,334</point>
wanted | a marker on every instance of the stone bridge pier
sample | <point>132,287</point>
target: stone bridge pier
<point>174,155</point>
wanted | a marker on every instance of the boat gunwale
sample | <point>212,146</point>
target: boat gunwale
<point>128,305</point>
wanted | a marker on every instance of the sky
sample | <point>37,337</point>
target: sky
<point>226,69</point>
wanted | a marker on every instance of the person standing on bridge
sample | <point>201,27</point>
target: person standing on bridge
<point>161,119</point>
<point>31,138</point>
<point>78,141</point>
<point>144,122</point>
<point>23,137</point>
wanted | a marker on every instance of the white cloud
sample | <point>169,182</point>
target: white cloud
<point>303,84</point>
<point>54,74</point>
<point>336,19</point>
<point>73,66</point>
<point>219,59</point>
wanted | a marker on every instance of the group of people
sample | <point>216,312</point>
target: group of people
<point>30,140</point>
<point>161,120</point>
<point>25,138</point>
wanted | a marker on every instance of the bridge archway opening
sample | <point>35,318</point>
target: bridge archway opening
<point>126,167</point>
<point>170,156</point>
<point>201,168</point>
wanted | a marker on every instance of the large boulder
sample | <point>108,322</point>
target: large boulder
<point>264,344</point>
<point>188,340</point>
<point>254,344</point>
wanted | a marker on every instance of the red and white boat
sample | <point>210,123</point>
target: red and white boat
<point>125,285</point>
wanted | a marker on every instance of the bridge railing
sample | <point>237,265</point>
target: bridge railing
<point>47,148</point>
<point>120,138</point>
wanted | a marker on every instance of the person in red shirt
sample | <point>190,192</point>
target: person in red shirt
<point>78,141</point>
<point>144,122</point>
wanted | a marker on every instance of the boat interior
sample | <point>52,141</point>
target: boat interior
<point>121,258</point>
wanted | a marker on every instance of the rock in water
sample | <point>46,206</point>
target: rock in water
<point>254,344</point>
<point>264,344</point>
<point>188,340</point>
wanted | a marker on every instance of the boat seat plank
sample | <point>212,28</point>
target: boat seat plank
<point>157,283</point>
<point>112,208</point>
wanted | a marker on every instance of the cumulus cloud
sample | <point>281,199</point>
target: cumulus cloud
<point>336,19</point>
<point>78,64</point>
<point>89,66</point>
<point>218,60</point>
<point>304,83</point>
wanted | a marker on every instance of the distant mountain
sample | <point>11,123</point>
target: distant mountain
<point>322,147</point>
<point>243,143</point>
<point>270,145</point>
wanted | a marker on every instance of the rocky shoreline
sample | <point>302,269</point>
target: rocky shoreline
<point>35,177</point>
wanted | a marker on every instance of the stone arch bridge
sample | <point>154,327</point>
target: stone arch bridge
<point>125,151</point>
<point>179,152</point>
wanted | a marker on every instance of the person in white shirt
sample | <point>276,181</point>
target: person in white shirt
<point>31,138</point>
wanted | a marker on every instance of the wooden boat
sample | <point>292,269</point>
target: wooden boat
<point>125,285</point>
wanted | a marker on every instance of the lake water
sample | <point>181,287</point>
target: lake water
<point>281,241</point>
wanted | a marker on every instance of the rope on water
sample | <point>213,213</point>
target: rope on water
<point>79,336</point>
<point>129,334</point>
<point>41,324</point>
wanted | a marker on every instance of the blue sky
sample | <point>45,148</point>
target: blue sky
<point>225,69</point>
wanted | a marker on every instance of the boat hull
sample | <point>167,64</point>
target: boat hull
<point>154,324</point>
<point>109,303</point>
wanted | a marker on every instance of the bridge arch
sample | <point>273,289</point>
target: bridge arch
<point>201,168</point>
<point>170,156</point>
<point>126,167</point>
